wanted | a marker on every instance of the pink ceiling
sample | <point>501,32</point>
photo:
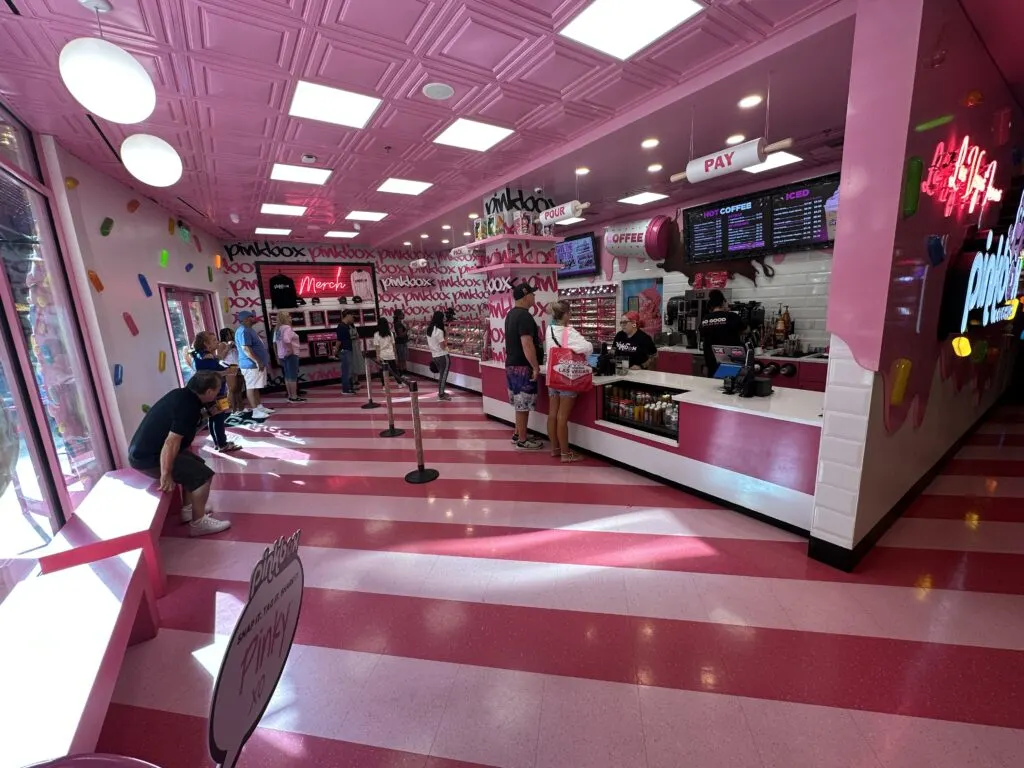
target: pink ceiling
<point>998,24</point>
<point>225,72</point>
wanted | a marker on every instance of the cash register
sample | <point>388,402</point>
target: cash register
<point>736,369</point>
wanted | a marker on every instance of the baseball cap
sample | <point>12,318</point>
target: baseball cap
<point>245,315</point>
<point>522,290</point>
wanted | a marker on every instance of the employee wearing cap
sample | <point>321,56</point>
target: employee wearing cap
<point>253,359</point>
<point>634,343</point>
<point>523,353</point>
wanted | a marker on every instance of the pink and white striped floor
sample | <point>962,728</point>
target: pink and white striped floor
<point>522,613</point>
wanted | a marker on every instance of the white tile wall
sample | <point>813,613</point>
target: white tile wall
<point>801,281</point>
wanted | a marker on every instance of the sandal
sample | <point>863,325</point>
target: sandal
<point>571,458</point>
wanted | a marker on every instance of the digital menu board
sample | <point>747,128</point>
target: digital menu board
<point>794,217</point>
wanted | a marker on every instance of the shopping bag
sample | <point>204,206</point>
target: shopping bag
<point>568,371</point>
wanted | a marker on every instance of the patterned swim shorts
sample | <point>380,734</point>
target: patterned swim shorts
<point>522,390</point>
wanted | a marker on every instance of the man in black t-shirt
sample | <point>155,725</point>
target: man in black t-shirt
<point>719,328</point>
<point>160,448</point>
<point>523,355</point>
<point>634,343</point>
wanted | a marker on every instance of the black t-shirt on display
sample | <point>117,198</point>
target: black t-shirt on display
<point>282,292</point>
<point>639,347</point>
<point>721,328</point>
<point>518,323</point>
<point>179,411</point>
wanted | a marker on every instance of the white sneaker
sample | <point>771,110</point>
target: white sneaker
<point>268,410</point>
<point>186,513</point>
<point>261,413</point>
<point>206,525</point>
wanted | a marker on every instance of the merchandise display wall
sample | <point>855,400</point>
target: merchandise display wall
<point>113,259</point>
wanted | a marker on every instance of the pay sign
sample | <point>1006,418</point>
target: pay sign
<point>257,651</point>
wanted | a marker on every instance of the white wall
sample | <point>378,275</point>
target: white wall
<point>801,281</point>
<point>132,247</point>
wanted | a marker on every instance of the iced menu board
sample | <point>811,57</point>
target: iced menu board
<point>788,218</point>
<point>805,215</point>
<point>730,230</point>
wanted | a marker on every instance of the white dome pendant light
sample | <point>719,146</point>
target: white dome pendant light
<point>104,78</point>
<point>151,160</point>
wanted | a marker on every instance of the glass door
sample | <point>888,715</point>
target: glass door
<point>188,312</point>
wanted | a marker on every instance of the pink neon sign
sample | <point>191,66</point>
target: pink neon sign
<point>961,178</point>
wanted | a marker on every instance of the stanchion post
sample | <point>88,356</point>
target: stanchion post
<point>390,431</point>
<point>369,384</point>
<point>421,474</point>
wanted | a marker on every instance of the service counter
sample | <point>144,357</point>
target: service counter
<point>757,453</point>
<point>807,372</point>
<point>464,373</point>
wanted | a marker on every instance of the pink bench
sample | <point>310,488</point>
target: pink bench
<point>65,636</point>
<point>124,511</point>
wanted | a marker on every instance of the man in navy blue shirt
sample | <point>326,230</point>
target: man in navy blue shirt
<point>253,359</point>
<point>343,349</point>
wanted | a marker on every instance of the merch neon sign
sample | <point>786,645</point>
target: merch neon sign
<point>961,178</point>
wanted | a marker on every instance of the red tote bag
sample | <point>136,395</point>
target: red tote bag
<point>568,371</point>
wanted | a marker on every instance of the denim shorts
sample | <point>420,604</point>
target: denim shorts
<point>562,392</point>
<point>290,366</point>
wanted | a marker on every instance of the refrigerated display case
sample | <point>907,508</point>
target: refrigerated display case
<point>465,337</point>
<point>643,407</point>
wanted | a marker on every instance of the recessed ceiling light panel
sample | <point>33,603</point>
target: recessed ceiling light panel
<point>474,215</point>
<point>470,134</point>
<point>649,143</point>
<point>643,198</point>
<point>283,210</point>
<point>654,168</point>
<point>582,171</point>
<point>406,243</point>
<point>404,187</point>
<point>774,160</point>
<point>299,174</point>
<point>747,102</point>
<point>365,216</point>
<point>446,226</point>
<point>424,236</point>
<point>272,231</point>
<point>736,138</point>
<point>332,105</point>
<point>339,233</point>
<point>573,220</point>
<point>621,28</point>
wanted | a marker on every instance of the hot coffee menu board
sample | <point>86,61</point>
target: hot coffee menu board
<point>794,217</point>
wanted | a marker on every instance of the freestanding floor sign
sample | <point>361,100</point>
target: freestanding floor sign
<point>258,650</point>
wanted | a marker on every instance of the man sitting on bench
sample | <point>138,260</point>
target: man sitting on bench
<point>160,448</point>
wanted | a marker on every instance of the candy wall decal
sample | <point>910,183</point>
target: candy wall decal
<point>133,206</point>
<point>145,407</point>
<point>209,273</point>
<point>118,374</point>
<point>164,256</point>
<point>198,246</point>
<point>170,226</point>
<point>106,226</point>
<point>145,285</point>
<point>130,322</point>
<point>95,280</point>
<point>217,261</point>
<point>161,361</point>
<point>188,267</point>
<point>70,182</point>
<point>227,305</point>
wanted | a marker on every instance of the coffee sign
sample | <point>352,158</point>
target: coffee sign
<point>257,650</point>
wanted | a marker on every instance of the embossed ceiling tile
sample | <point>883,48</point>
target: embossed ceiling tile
<point>304,9</point>
<point>433,157</point>
<point>403,24</point>
<point>567,120</point>
<point>219,81</point>
<point>698,48</point>
<point>344,64</point>
<point>618,90</point>
<point>315,136</point>
<point>246,146</point>
<point>769,14</point>
<point>241,167</point>
<point>243,38</point>
<point>467,86</point>
<point>479,43</point>
<point>227,119</point>
<point>139,19</point>
<point>170,112</point>
<point>395,148</point>
<point>547,14</point>
<point>556,68</point>
<point>18,46</point>
<point>410,120</point>
<point>507,105</point>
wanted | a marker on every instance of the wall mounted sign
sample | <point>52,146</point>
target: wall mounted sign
<point>508,200</point>
<point>648,237</point>
<point>961,178</point>
<point>992,284</point>
<point>257,650</point>
<point>726,161</point>
<point>562,212</point>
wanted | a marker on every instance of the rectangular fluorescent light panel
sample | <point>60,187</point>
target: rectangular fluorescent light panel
<point>573,220</point>
<point>621,28</point>
<point>332,105</point>
<point>469,134</point>
<point>272,231</point>
<point>643,198</point>
<point>302,174</point>
<point>773,161</point>
<point>404,187</point>
<point>283,210</point>
<point>365,216</point>
<point>338,233</point>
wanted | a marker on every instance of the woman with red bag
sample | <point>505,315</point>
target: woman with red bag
<point>568,374</point>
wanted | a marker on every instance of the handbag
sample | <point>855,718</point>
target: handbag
<point>434,368</point>
<point>568,371</point>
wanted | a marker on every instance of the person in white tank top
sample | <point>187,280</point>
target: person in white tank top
<point>384,344</point>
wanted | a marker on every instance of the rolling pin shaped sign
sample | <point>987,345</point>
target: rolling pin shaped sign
<point>257,651</point>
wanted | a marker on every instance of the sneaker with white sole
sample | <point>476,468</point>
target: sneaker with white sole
<point>207,525</point>
<point>529,445</point>
<point>261,413</point>
<point>267,410</point>
<point>186,513</point>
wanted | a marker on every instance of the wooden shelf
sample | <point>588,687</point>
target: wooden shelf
<point>513,267</point>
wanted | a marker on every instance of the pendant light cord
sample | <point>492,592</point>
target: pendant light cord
<point>693,118</point>
<point>99,23</point>
<point>767,107</point>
